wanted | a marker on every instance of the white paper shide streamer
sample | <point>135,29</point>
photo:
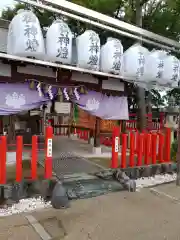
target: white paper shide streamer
<point>39,89</point>
<point>50,92</point>
<point>66,94</point>
<point>76,94</point>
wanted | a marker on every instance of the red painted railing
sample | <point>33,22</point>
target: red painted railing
<point>19,149</point>
<point>145,148</point>
<point>152,124</point>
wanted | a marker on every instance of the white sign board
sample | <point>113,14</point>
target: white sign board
<point>49,147</point>
<point>63,108</point>
<point>35,112</point>
<point>116,144</point>
<point>113,84</point>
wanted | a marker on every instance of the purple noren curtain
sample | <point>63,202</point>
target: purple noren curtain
<point>100,105</point>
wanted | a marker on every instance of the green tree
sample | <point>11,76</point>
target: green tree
<point>175,93</point>
<point>8,13</point>
<point>161,17</point>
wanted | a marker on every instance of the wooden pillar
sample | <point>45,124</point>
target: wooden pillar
<point>98,121</point>
<point>63,77</point>
<point>123,122</point>
<point>11,127</point>
<point>141,124</point>
<point>97,132</point>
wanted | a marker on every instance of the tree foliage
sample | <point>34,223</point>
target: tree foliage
<point>161,17</point>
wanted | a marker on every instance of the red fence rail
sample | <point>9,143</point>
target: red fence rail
<point>34,156</point>
<point>146,148</point>
<point>152,123</point>
<point>136,149</point>
<point>156,124</point>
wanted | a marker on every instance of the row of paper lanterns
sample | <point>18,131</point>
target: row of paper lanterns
<point>25,39</point>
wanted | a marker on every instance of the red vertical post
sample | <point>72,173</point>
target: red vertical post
<point>124,149</point>
<point>167,145</point>
<point>161,148</point>
<point>48,157</point>
<point>150,145</point>
<point>81,134</point>
<point>154,147</point>
<point>144,142</point>
<point>3,151</point>
<point>85,135</point>
<point>115,147</point>
<point>34,158</point>
<point>132,149</point>
<point>147,145</point>
<point>136,141</point>
<point>140,150</point>
<point>19,152</point>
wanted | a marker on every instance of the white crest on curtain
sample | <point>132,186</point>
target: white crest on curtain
<point>15,100</point>
<point>92,104</point>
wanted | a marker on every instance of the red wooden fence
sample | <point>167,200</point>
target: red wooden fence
<point>136,149</point>
<point>34,156</point>
<point>145,148</point>
<point>152,124</point>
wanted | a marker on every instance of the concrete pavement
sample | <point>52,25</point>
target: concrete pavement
<point>149,214</point>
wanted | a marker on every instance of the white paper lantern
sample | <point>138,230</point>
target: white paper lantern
<point>154,67</point>
<point>111,56</point>
<point>133,62</point>
<point>59,42</point>
<point>25,36</point>
<point>88,50</point>
<point>171,70</point>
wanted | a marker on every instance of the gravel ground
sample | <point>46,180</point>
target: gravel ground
<point>156,180</point>
<point>117,216</point>
<point>31,204</point>
<point>25,205</point>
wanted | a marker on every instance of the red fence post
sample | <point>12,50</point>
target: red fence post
<point>19,152</point>
<point>140,149</point>
<point>136,141</point>
<point>161,148</point>
<point>150,144</point>
<point>48,158</point>
<point>167,145</point>
<point>147,145</point>
<point>132,149</point>
<point>115,147</point>
<point>3,151</point>
<point>144,142</point>
<point>34,158</point>
<point>154,147</point>
<point>124,149</point>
